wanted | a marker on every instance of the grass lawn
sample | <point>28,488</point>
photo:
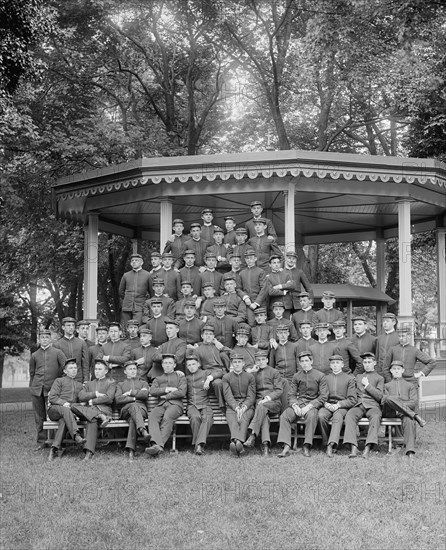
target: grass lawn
<point>218,502</point>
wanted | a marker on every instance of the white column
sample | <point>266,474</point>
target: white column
<point>91,268</point>
<point>405,265</point>
<point>441,285</point>
<point>380,274</point>
<point>134,246</point>
<point>290,231</point>
<point>165,221</point>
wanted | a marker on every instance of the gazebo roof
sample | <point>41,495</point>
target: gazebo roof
<point>338,197</point>
<point>359,295</point>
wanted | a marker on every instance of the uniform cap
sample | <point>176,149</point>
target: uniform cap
<point>156,254</point>
<point>208,284</point>
<point>155,301</point>
<point>278,304</point>
<point>305,322</point>
<point>207,327</point>
<point>101,362</point>
<point>367,354</point>
<point>45,331</point>
<point>261,220</point>
<point>229,218</point>
<point>205,210</point>
<point>157,281</point>
<point>190,357</point>
<point>219,302</point>
<point>235,355</point>
<point>136,255</point>
<point>243,330</point>
<point>167,355</point>
<point>189,251</point>
<point>261,353</point>
<point>70,360</point>
<point>83,322</point>
<point>359,318</point>
<point>177,220</point>
<point>218,229</point>
<point>167,255</point>
<point>256,203</point>
<point>282,327</point>
<point>190,303</point>
<point>228,277</point>
<point>171,322</point>
<point>291,253</point>
<point>114,324</point>
<point>339,323</point>
<point>389,316</point>
<point>275,257</point>
<point>133,322</point>
<point>305,354</point>
<point>102,327</point>
<point>328,294</point>
<point>260,310</point>
<point>321,325</point>
<point>241,230</point>
<point>186,283</point>
<point>127,363</point>
<point>404,329</point>
<point>210,255</point>
<point>145,330</point>
<point>335,358</point>
<point>302,294</point>
<point>397,363</point>
<point>68,320</point>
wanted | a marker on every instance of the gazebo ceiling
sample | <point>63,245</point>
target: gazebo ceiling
<point>337,196</point>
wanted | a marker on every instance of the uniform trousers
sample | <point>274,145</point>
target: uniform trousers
<point>331,434</point>
<point>39,405</point>
<point>394,405</point>
<point>284,396</point>
<point>239,430</point>
<point>67,421</point>
<point>135,414</point>
<point>260,422</point>
<point>161,421</point>
<point>288,417</point>
<point>352,418</point>
<point>201,421</point>
<point>217,387</point>
<point>91,414</point>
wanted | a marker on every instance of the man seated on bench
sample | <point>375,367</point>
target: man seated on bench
<point>199,408</point>
<point>400,399</point>
<point>131,397</point>
<point>64,392</point>
<point>370,387</point>
<point>98,396</point>
<point>269,389</point>
<point>308,393</point>
<point>239,390</point>
<point>170,388</point>
<point>341,397</point>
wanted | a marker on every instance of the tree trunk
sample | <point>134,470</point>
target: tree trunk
<point>2,364</point>
<point>33,309</point>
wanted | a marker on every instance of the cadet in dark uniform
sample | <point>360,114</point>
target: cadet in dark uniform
<point>256,210</point>
<point>328,314</point>
<point>82,332</point>
<point>45,365</point>
<point>170,388</point>
<point>345,348</point>
<point>341,397</point>
<point>400,397</point>
<point>362,339</point>
<point>370,387</point>
<point>133,290</point>
<point>176,241</point>
<point>72,346</point>
<point>131,397</point>
<point>269,389</point>
<point>239,390</point>
<point>385,341</point>
<point>115,352</point>
<point>199,410</point>
<point>308,393</point>
<point>64,392</point>
<point>132,332</point>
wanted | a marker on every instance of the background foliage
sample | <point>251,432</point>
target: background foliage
<point>88,83</point>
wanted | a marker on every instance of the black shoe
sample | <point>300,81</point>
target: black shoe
<point>39,447</point>
<point>154,450</point>
<point>306,450</point>
<point>239,447</point>
<point>79,440</point>
<point>53,454</point>
<point>353,452</point>
<point>145,435</point>
<point>199,450</point>
<point>250,442</point>
<point>88,455</point>
<point>410,455</point>
<point>104,420</point>
<point>285,452</point>
<point>420,421</point>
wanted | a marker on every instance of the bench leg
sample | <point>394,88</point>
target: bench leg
<point>390,439</point>
<point>296,427</point>
<point>173,450</point>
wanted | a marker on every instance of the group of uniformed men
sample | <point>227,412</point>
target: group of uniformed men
<point>237,323</point>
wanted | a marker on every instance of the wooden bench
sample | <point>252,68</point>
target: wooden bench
<point>219,420</point>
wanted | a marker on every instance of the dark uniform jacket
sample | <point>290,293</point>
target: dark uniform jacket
<point>172,282</point>
<point>176,346</point>
<point>365,343</point>
<point>268,383</point>
<point>252,284</point>
<point>235,306</point>
<point>64,390</point>
<point>370,396</point>
<point>341,390</point>
<point>172,380</point>
<point>321,354</point>
<point>409,355</point>
<point>261,335</point>
<point>119,353</point>
<point>327,316</point>
<point>209,357</point>
<point>291,299</point>
<point>284,359</point>
<point>192,274</point>
<point>77,348</point>
<point>106,386</point>
<point>350,355</point>
<point>133,289</point>
<point>147,352</point>
<point>269,231</point>
<point>383,344</point>
<point>239,389</point>
<point>264,248</point>
<point>196,394</point>
<point>308,388</point>
<point>402,389</point>
<point>283,278</point>
<point>176,246</point>
<point>45,365</point>
<point>139,393</point>
<point>190,330</point>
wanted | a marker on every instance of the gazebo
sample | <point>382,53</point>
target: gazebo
<point>312,197</point>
